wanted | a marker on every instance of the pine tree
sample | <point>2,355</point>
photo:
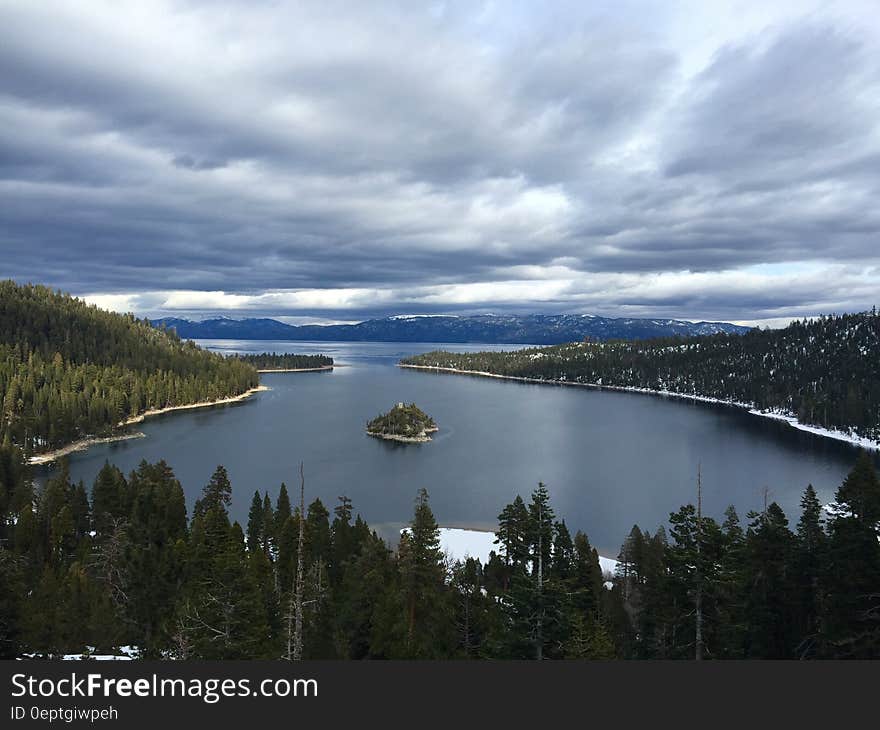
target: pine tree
<point>512,538</point>
<point>854,566</point>
<point>429,629</point>
<point>267,533</point>
<point>217,493</point>
<point>809,568</point>
<point>283,510</point>
<point>769,586</point>
<point>256,524</point>
<point>108,500</point>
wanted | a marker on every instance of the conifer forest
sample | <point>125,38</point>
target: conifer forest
<point>124,563</point>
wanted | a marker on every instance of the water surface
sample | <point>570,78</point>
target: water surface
<point>610,459</point>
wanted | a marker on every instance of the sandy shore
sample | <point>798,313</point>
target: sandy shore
<point>296,370</point>
<point>188,406</point>
<point>789,418</point>
<point>83,444</point>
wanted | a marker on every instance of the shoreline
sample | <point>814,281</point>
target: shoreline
<point>405,439</point>
<point>85,443</point>
<point>792,421</point>
<point>298,370</point>
<point>81,445</point>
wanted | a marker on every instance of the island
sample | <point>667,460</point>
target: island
<point>272,362</point>
<point>405,423</point>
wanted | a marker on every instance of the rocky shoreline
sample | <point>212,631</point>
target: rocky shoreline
<point>422,438</point>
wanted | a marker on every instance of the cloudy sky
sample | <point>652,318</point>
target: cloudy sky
<point>324,161</point>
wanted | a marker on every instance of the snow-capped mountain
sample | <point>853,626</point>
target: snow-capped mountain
<point>537,329</point>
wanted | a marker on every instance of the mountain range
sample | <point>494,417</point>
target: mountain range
<point>534,329</point>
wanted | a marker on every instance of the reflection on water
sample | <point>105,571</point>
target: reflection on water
<point>610,459</point>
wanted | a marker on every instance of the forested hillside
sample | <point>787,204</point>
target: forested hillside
<point>127,566</point>
<point>70,370</point>
<point>824,371</point>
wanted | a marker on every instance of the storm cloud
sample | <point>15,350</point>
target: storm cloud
<point>340,160</point>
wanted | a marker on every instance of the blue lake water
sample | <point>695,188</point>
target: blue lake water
<point>610,459</point>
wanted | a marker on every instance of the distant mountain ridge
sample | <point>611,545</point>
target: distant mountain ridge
<point>536,329</point>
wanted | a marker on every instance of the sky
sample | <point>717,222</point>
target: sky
<point>334,161</point>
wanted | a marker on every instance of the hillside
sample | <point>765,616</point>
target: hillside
<point>535,329</point>
<point>825,372</point>
<point>69,370</point>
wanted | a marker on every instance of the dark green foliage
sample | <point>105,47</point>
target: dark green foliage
<point>127,567</point>
<point>825,371</point>
<point>853,612</point>
<point>285,361</point>
<point>427,625</point>
<point>809,562</point>
<point>69,370</point>
<point>769,586</point>
<point>403,420</point>
<point>217,494</point>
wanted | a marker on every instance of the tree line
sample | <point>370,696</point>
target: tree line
<point>69,370</point>
<point>824,371</point>
<point>124,563</point>
<point>285,361</point>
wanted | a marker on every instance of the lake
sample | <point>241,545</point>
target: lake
<point>610,459</point>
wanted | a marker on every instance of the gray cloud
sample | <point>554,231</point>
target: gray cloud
<point>456,157</point>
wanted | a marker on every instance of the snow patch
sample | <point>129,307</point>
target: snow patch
<point>607,565</point>
<point>459,544</point>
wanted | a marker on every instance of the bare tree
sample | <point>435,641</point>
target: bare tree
<point>107,565</point>
<point>294,652</point>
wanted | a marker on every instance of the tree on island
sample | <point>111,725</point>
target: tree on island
<point>403,422</point>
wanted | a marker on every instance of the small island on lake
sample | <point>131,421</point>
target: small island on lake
<point>272,362</point>
<point>406,423</point>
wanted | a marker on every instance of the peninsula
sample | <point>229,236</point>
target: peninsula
<point>405,423</point>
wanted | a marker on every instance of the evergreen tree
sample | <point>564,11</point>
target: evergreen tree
<point>854,565</point>
<point>810,564</point>
<point>108,500</point>
<point>429,628</point>
<point>282,509</point>
<point>217,493</point>
<point>256,524</point>
<point>769,586</point>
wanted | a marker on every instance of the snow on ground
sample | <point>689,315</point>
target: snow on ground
<point>848,436</point>
<point>126,654</point>
<point>459,544</point>
<point>608,565</point>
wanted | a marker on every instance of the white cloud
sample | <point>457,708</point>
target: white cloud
<point>355,159</point>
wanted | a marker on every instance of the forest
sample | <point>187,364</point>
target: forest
<point>824,371</point>
<point>126,564</point>
<point>285,361</point>
<point>69,370</point>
